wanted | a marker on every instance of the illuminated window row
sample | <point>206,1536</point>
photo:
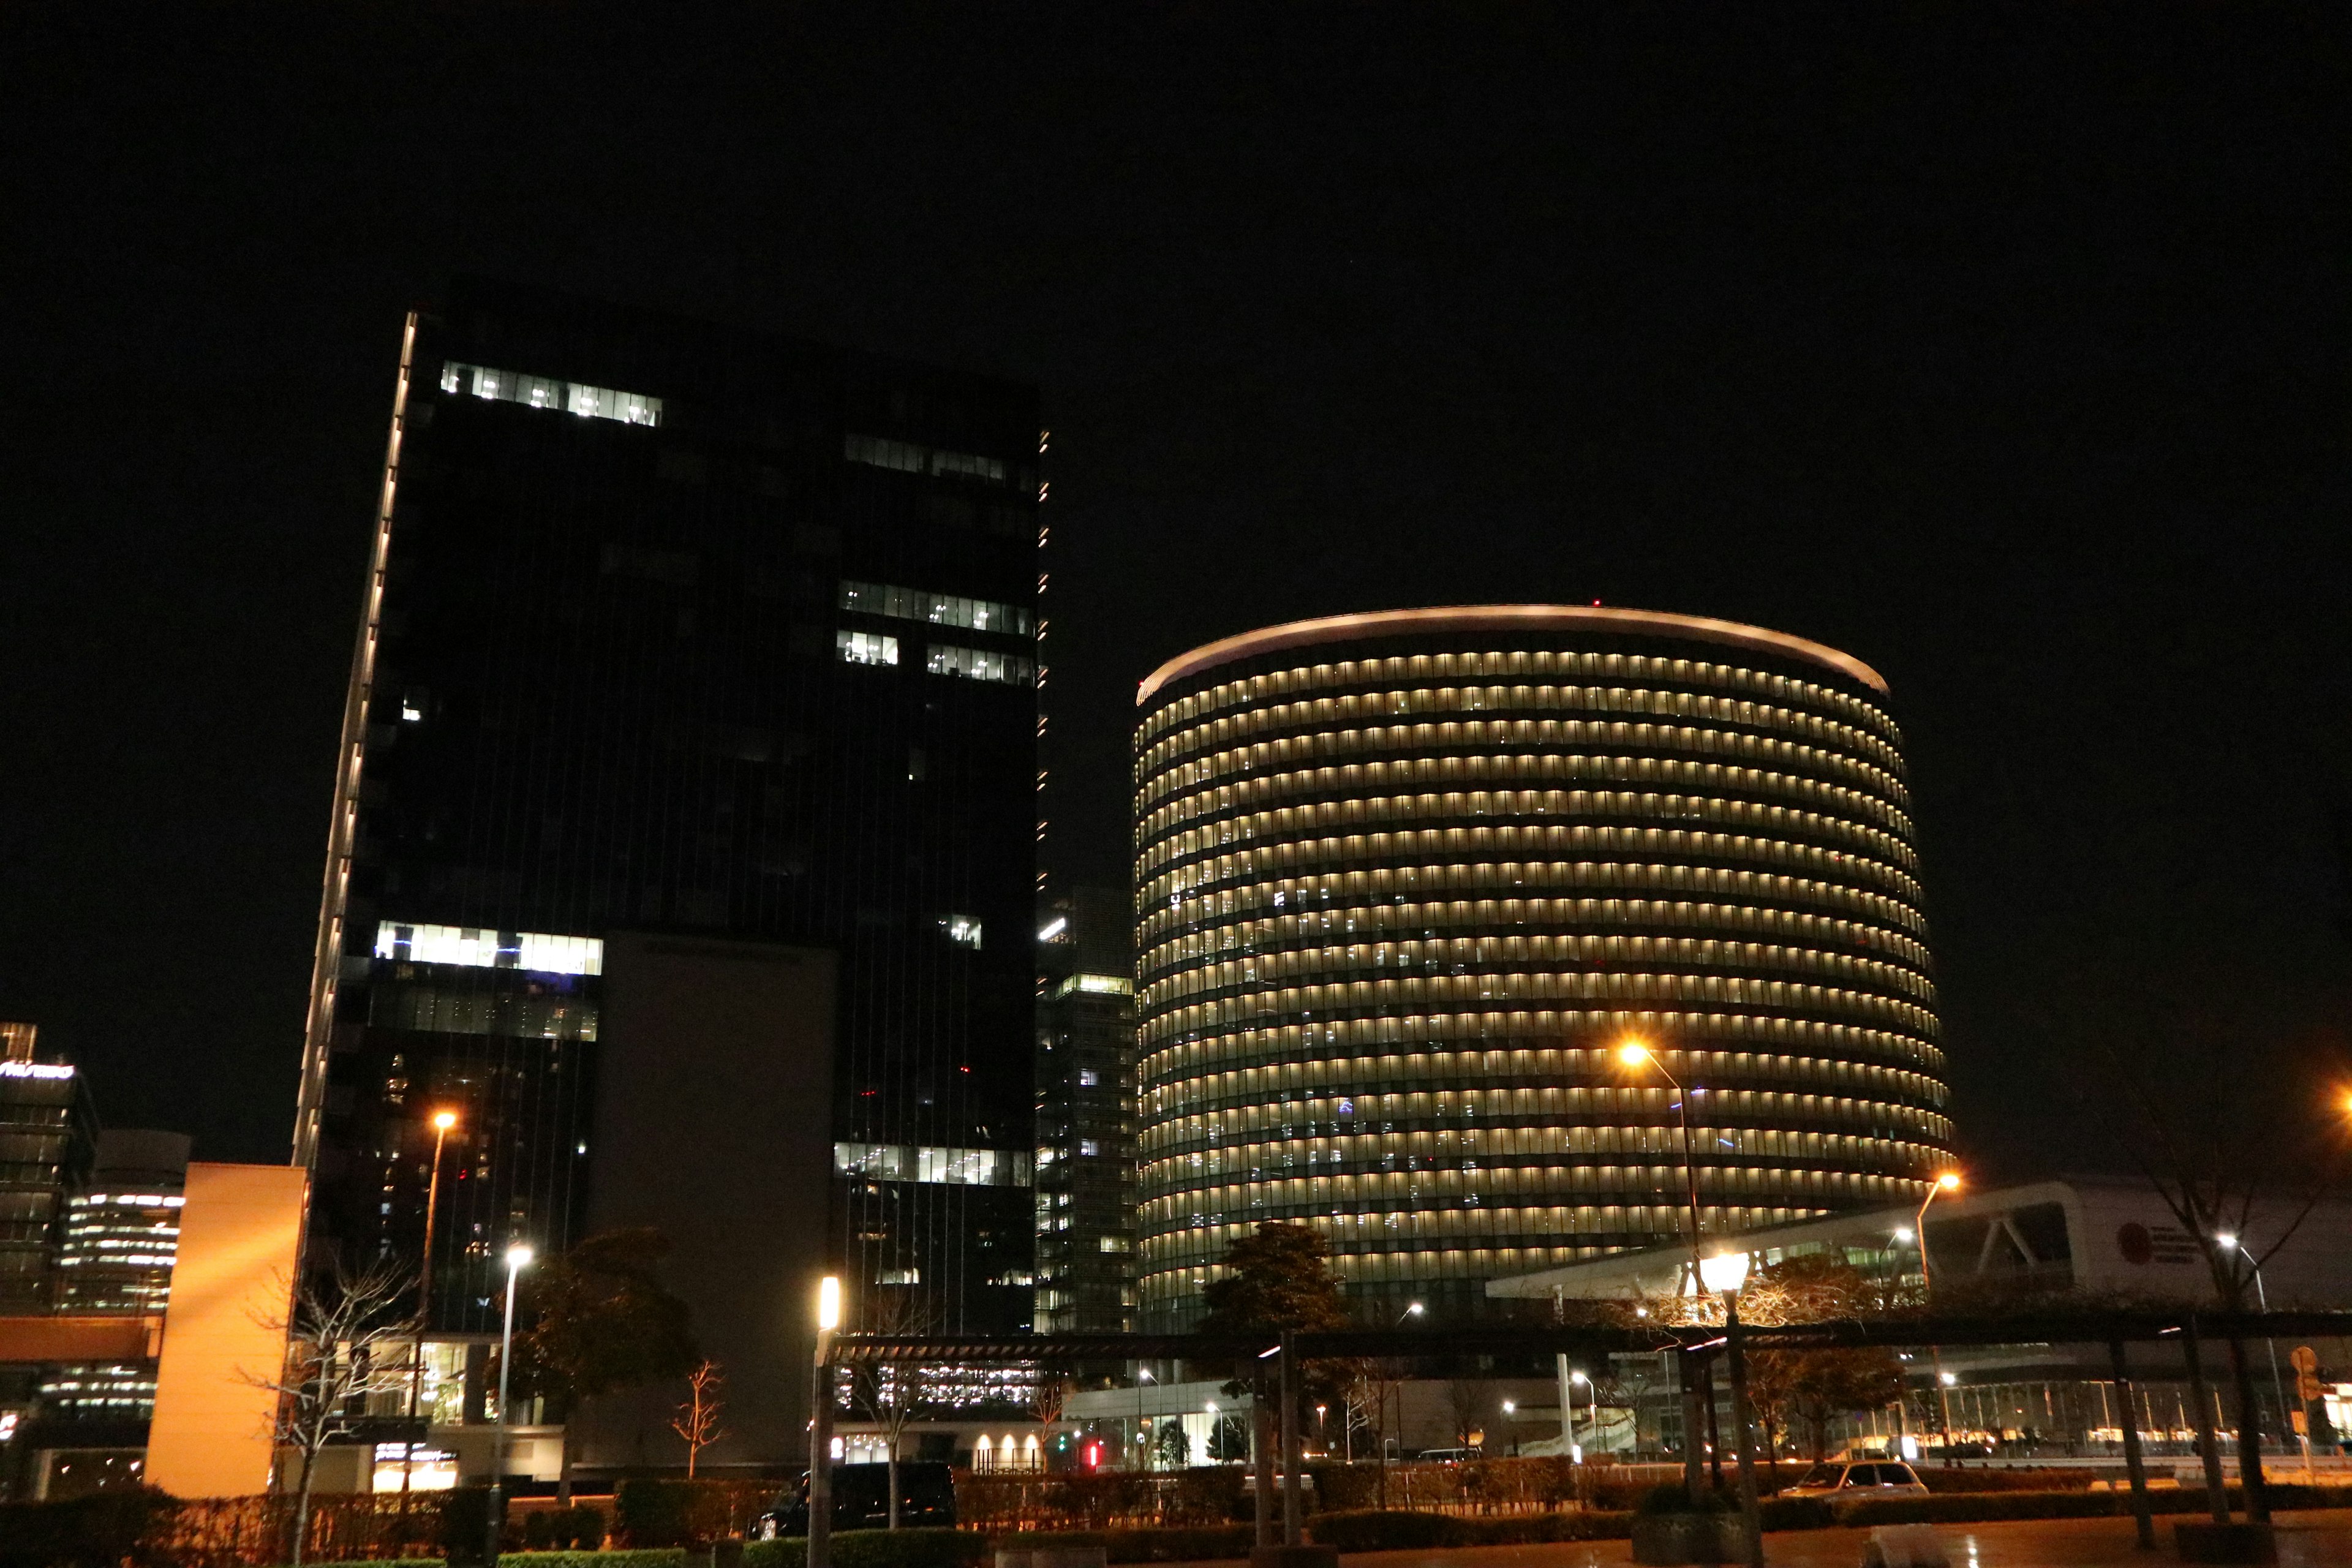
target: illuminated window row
<point>1202,893</point>
<point>1261,1137</point>
<point>1314,917</point>
<point>1500,1035</point>
<point>1269,951</point>
<point>1165,1017</point>
<point>1255,690</point>
<point>1298,824</point>
<point>1237,780</point>
<point>468,947</point>
<point>543,391</point>
<point>1238,826</point>
<point>908,457</point>
<point>1267,959</point>
<point>1464,1212</point>
<point>944,1167</point>
<point>1531,842</point>
<point>1288,718</point>
<point>1566,735</point>
<point>937,609</point>
<point>980,664</point>
<point>1429,1166</point>
<point>1370,1237</point>
<point>1523,966</point>
<point>1237,1103</point>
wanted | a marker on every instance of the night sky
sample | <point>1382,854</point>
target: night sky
<point>2005,349</point>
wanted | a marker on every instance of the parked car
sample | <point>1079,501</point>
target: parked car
<point>861,1500</point>
<point>1879,1477</point>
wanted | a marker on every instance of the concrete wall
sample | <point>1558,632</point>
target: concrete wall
<point>239,1237</point>
<point>714,1123</point>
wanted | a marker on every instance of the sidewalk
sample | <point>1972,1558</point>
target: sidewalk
<point>2317,1540</point>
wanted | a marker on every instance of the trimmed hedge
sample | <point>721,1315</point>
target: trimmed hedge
<point>1967,1507</point>
<point>639,1557</point>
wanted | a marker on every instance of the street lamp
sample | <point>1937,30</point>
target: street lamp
<point>443,1121</point>
<point>1142,1376</point>
<point>1411,1310</point>
<point>518,1259</point>
<point>1949,1182</point>
<point>820,1487</point>
<point>2228,1242</point>
<point>1592,1391</point>
<point>1723,1274</point>
<point>1635,1054</point>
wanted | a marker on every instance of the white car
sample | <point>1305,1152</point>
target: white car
<point>1878,1478</point>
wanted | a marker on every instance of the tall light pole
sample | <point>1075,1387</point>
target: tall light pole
<point>1725,1274</point>
<point>1949,1182</point>
<point>1635,1054</point>
<point>820,1487</point>
<point>1142,1376</point>
<point>442,1121</point>
<point>2229,1243</point>
<point>518,1259</point>
<point>1592,1393</point>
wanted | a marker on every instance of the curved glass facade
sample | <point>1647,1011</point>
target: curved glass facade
<point>1403,882</point>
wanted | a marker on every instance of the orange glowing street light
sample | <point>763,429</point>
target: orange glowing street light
<point>1949,1182</point>
<point>1636,1053</point>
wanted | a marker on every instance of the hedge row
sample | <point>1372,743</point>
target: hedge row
<point>926,1548</point>
<point>1172,1543</point>
<point>636,1557</point>
<point>1964,1508</point>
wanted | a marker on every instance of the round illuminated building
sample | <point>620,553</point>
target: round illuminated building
<point>1405,881</point>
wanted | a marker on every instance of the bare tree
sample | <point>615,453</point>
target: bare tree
<point>2240,1153</point>
<point>696,1420</point>
<point>1376,1383</point>
<point>1465,1398</point>
<point>345,1343</point>
<point>891,1394</point>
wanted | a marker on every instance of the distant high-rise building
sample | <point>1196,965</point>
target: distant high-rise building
<point>1085,1114</point>
<point>683,834</point>
<point>122,1233</point>
<point>1407,882</point>
<point>47,1130</point>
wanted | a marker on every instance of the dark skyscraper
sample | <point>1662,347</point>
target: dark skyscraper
<point>693,703</point>
<point>1085,1114</point>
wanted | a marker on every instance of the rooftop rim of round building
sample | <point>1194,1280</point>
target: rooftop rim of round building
<point>1607,619</point>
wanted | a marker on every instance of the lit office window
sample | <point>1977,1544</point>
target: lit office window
<point>973,664</point>
<point>543,392</point>
<point>962,930</point>
<point>934,1167</point>
<point>476,949</point>
<point>937,609</point>
<point>865,647</point>
<point>907,458</point>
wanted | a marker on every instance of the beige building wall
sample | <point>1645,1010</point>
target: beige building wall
<point>240,1234</point>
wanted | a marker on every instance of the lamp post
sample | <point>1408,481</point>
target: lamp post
<point>442,1121</point>
<point>820,1487</point>
<point>518,1259</point>
<point>1635,1054</point>
<point>1723,1274</point>
<point>1592,1393</point>
<point>1949,1182</point>
<point>2229,1243</point>
<point>1142,1376</point>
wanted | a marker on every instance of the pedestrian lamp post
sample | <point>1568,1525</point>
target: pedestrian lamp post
<point>1949,1182</point>
<point>443,1121</point>
<point>1142,1376</point>
<point>1511,1426</point>
<point>1592,1428</point>
<point>1723,1274</point>
<point>518,1259</point>
<point>2229,1243</point>
<point>820,1487</point>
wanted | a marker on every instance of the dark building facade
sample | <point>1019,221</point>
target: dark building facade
<point>1085,1114</point>
<point>1407,882</point>
<point>722,643</point>
<point>48,1132</point>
